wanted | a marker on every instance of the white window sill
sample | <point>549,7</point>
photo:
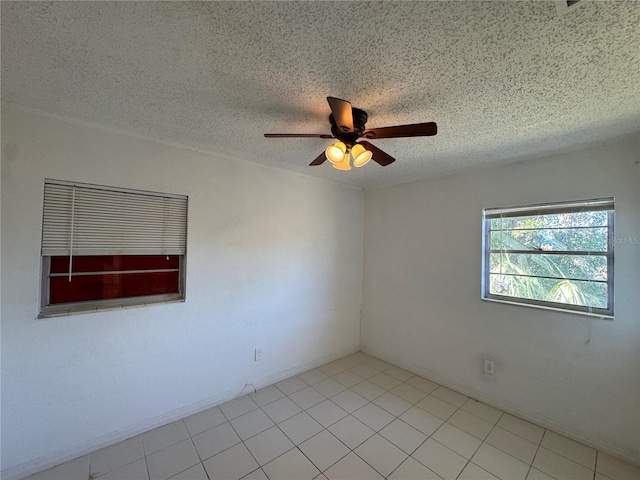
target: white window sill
<point>108,305</point>
<point>544,307</point>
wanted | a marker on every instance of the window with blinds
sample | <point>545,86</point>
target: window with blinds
<point>106,248</point>
<point>557,256</point>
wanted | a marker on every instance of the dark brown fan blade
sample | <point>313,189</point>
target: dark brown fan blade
<point>414,130</point>
<point>379,156</point>
<point>319,161</point>
<point>342,113</point>
<point>298,135</point>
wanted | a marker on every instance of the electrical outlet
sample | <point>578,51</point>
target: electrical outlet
<point>489,367</point>
<point>257,356</point>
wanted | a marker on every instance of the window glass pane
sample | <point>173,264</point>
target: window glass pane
<point>577,292</point>
<point>582,267</point>
<point>576,239</point>
<point>101,287</point>
<point>110,263</point>
<point>581,219</point>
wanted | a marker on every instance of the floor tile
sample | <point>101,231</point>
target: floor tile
<point>352,467</point>
<point>205,420</point>
<point>77,469</point>
<point>441,460</point>
<point>570,449</point>
<point>311,377</point>
<point>535,474</point>
<point>327,413</point>
<point>324,449</point>
<point>347,362</point>
<point>307,397</point>
<point>282,409</point>
<point>385,381</point>
<point>423,384</point>
<point>521,428</point>
<point>364,371</point>
<point>474,472</point>
<point>172,460</point>
<point>251,423</point>
<point>368,390</point>
<point>291,465</point>
<point>257,474</point>
<point>449,396</point>
<point>134,471</point>
<point>266,395</point>
<point>349,401</point>
<point>164,436</point>
<point>616,469</point>
<point>421,420</point>
<point>470,424</point>
<point>329,387</point>
<point>351,431</point>
<point>411,469</point>
<point>331,369</point>
<point>512,444</point>
<point>457,440</point>
<point>233,463</point>
<point>399,373</point>
<point>268,445</point>
<point>291,385</point>
<point>373,416</point>
<point>408,393</point>
<point>403,436</point>
<point>215,440</point>
<point>194,473</point>
<point>501,464</point>
<point>438,407</point>
<point>482,410</point>
<point>348,379</point>
<point>381,454</point>
<point>115,456</point>
<point>300,427</point>
<point>375,363</point>
<point>392,404</point>
<point>238,406</point>
<point>560,467</point>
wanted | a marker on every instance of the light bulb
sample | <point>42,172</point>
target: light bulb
<point>360,155</point>
<point>335,153</point>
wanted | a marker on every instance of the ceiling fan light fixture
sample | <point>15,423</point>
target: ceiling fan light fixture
<point>343,165</point>
<point>336,153</point>
<point>361,156</point>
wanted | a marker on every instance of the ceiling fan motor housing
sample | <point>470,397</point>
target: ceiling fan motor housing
<point>350,138</point>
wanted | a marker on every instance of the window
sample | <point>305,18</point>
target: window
<point>106,248</point>
<point>557,256</point>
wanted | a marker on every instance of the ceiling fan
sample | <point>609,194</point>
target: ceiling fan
<point>348,126</point>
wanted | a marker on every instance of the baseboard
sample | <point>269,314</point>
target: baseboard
<point>61,456</point>
<point>499,404</point>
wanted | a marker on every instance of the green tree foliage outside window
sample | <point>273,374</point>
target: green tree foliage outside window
<point>556,258</point>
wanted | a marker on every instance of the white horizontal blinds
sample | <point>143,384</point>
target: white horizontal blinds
<point>602,204</point>
<point>84,219</point>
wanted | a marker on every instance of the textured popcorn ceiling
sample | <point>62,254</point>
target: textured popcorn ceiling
<point>503,80</point>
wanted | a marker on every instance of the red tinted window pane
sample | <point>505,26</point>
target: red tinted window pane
<point>111,263</point>
<point>102,287</point>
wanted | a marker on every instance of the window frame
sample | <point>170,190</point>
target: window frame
<point>551,208</point>
<point>47,310</point>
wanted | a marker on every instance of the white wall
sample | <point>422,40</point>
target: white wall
<point>274,260</point>
<point>422,306</point>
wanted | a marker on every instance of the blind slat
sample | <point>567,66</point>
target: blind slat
<point>112,221</point>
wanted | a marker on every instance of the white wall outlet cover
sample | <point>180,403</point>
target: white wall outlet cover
<point>257,354</point>
<point>488,366</point>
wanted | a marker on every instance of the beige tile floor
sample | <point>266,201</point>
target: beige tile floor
<point>354,418</point>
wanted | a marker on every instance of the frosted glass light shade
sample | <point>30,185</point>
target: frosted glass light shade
<point>335,153</point>
<point>343,165</point>
<point>360,155</point>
